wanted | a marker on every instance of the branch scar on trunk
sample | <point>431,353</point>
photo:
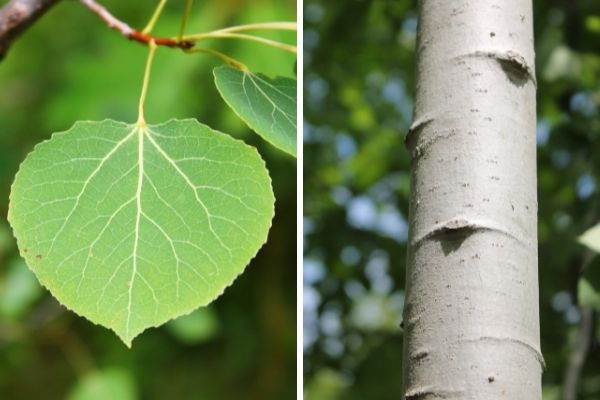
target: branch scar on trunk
<point>463,226</point>
<point>513,64</point>
<point>507,340</point>
<point>414,130</point>
<point>431,392</point>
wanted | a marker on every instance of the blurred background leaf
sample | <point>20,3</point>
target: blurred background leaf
<point>19,290</point>
<point>588,287</point>
<point>197,327</point>
<point>107,384</point>
<point>591,238</point>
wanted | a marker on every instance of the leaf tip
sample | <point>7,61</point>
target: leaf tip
<point>126,339</point>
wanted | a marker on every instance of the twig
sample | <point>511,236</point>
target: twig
<point>131,33</point>
<point>16,16</point>
<point>578,356</point>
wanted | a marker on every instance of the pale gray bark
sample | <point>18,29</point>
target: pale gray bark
<point>16,16</point>
<point>471,318</point>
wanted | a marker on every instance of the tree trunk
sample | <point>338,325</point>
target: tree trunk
<point>471,317</point>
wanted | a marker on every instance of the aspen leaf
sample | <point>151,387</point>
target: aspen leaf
<point>131,227</point>
<point>267,106</point>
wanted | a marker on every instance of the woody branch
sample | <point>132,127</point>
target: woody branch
<point>18,15</point>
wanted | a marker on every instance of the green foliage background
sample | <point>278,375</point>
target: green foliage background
<point>69,66</point>
<point>359,88</point>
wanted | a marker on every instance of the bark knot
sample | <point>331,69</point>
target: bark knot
<point>422,392</point>
<point>516,68</point>
<point>514,65</point>
<point>417,146</point>
<point>514,341</point>
<point>459,227</point>
<point>414,130</point>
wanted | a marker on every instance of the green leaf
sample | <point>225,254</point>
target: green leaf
<point>267,105</point>
<point>131,227</point>
<point>113,383</point>
<point>591,238</point>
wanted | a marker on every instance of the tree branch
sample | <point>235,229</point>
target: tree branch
<point>579,354</point>
<point>584,338</point>
<point>16,16</point>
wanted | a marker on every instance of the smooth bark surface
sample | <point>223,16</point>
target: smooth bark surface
<point>16,16</point>
<point>471,318</point>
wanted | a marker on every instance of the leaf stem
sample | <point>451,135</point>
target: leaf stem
<point>229,60</point>
<point>242,36</point>
<point>277,26</point>
<point>155,16</point>
<point>184,20</point>
<point>141,122</point>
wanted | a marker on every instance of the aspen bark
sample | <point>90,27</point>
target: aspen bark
<point>471,317</point>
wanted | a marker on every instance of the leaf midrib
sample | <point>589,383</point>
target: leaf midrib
<point>138,200</point>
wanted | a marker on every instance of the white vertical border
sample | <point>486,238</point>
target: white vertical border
<point>299,202</point>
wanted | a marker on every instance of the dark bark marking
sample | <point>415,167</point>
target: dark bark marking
<point>414,131</point>
<point>514,65</point>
